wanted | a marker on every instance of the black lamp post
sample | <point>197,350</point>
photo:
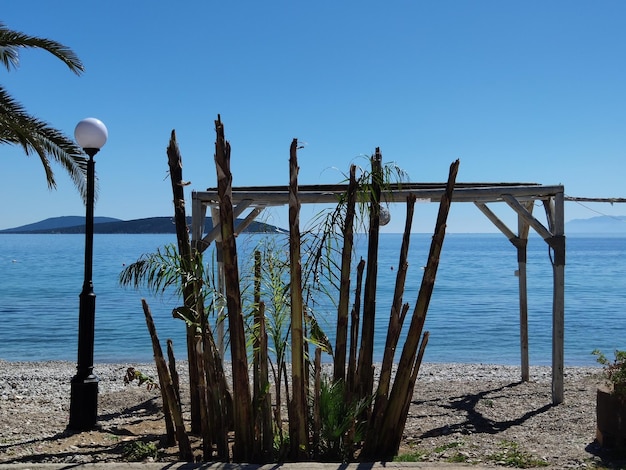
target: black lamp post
<point>91,134</point>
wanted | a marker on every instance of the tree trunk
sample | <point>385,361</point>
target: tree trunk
<point>184,250</point>
<point>298,411</point>
<point>243,448</point>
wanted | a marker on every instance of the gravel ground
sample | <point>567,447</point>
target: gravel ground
<point>460,413</point>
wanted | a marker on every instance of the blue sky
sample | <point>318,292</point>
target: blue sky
<point>529,91</point>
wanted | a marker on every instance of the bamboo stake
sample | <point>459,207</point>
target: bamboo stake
<point>264,382</point>
<point>256,385</point>
<point>366,352</point>
<point>262,409</point>
<point>344,286</point>
<point>205,425</point>
<point>218,396</point>
<point>385,445</point>
<point>317,390</point>
<point>170,431</point>
<point>399,431</point>
<point>184,446</point>
<point>352,379</point>
<point>171,365</point>
<point>396,317</point>
<point>298,416</point>
<point>243,448</point>
<point>174,160</point>
<point>396,320</point>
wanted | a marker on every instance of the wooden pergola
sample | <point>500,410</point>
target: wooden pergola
<point>249,202</point>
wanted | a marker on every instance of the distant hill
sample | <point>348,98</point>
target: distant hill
<point>76,224</point>
<point>600,224</point>
<point>58,223</point>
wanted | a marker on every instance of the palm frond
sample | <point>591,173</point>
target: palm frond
<point>34,135</point>
<point>158,271</point>
<point>11,41</point>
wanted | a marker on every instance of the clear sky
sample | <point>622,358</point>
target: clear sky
<point>531,91</point>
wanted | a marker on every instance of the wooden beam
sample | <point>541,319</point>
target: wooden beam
<point>527,216</point>
<point>242,205</point>
<point>523,229</point>
<point>330,195</point>
<point>198,217</point>
<point>508,233</point>
<point>245,223</point>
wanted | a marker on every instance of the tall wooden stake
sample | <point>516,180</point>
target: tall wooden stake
<point>175,163</point>
<point>344,286</point>
<point>366,353</point>
<point>184,446</point>
<point>298,412</point>
<point>389,433</point>
<point>243,449</point>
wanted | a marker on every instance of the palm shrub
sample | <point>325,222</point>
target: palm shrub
<point>342,422</point>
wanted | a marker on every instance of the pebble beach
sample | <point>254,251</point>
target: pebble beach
<point>465,412</point>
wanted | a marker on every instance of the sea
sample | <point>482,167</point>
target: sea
<point>473,315</point>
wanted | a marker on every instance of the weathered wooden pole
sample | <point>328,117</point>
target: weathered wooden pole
<point>558,304</point>
<point>184,446</point>
<point>243,448</point>
<point>521,244</point>
<point>389,434</point>
<point>355,315</point>
<point>366,352</point>
<point>175,163</point>
<point>344,283</point>
<point>396,320</point>
<point>298,410</point>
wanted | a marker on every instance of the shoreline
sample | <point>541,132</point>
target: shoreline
<point>111,374</point>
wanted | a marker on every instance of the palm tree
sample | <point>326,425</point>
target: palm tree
<point>17,127</point>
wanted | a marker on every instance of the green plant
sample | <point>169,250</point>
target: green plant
<point>138,451</point>
<point>141,378</point>
<point>414,456</point>
<point>512,456</point>
<point>614,371</point>
<point>458,457</point>
<point>339,419</point>
<point>444,447</point>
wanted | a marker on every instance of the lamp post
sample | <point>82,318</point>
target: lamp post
<point>91,134</point>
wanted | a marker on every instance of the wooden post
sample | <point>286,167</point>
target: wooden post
<point>558,306</point>
<point>184,250</point>
<point>184,446</point>
<point>396,320</point>
<point>298,413</point>
<point>221,286</point>
<point>344,286</point>
<point>388,435</point>
<point>243,448</point>
<point>522,250</point>
<point>365,369</point>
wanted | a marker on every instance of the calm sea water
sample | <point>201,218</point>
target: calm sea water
<point>473,315</point>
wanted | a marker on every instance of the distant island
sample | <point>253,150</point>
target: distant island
<point>600,224</point>
<point>76,224</point>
